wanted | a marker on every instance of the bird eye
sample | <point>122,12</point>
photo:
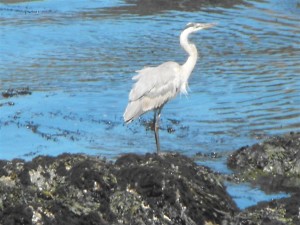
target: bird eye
<point>190,25</point>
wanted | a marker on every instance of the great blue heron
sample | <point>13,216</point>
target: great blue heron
<point>155,86</point>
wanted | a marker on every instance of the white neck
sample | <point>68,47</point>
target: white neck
<point>189,65</point>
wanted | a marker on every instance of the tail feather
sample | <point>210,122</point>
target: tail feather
<point>133,111</point>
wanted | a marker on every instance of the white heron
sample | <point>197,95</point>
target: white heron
<point>155,86</point>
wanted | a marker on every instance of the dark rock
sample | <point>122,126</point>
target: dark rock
<point>56,195</point>
<point>171,189</point>
<point>15,92</point>
<point>277,212</point>
<point>7,104</point>
<point>149,189</point>
<point>273,164</point>
<point>16,215</point>
<point>80,189</point>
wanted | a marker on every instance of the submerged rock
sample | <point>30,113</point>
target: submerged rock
<point>273,164</point>
<point>80,189</point>
<point>277,212</point>
<point>15,92</point>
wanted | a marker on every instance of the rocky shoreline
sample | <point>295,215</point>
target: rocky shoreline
<point>150,189</point>
<point>273,165</point>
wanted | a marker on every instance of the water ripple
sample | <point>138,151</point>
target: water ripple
<point>245,86</point>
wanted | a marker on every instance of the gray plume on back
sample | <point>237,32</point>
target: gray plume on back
<point>154,86</point>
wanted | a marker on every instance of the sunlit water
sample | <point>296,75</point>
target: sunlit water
<point>78,57</point>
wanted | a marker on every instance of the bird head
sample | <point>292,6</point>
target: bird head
<point>193,27</point>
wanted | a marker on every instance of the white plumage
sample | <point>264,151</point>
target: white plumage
<point>155,86</point>
<point>152,90</point>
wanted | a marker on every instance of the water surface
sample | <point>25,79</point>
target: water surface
<point>78,57</point>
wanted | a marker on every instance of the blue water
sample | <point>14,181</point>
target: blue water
<point>78,57</point>
<point>246,196</point>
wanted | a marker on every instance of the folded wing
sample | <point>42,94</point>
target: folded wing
<point>153,88</point>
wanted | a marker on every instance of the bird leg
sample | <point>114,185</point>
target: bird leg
<point>156,129</point>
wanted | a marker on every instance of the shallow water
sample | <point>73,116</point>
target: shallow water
<point>78,57</point>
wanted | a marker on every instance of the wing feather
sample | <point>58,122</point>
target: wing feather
<point>153,79</point>
<point>153,88</point>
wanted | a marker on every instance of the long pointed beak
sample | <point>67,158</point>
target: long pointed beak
<point>205,25</point>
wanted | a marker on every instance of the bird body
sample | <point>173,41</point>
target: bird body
<point>155,86</point>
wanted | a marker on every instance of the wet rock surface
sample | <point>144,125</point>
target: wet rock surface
<point>9,93</point>
<point>173,190</point>
<point>16,92</point>
<point>146,189</point>
<point>277,212</point>
<point>80,189</point>
<point>273,164</point>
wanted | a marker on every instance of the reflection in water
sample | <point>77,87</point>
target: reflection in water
<point>146,7</point>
